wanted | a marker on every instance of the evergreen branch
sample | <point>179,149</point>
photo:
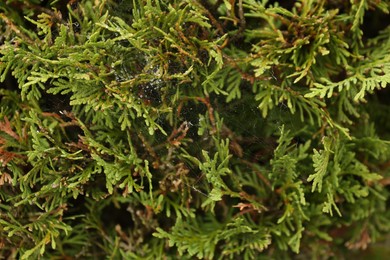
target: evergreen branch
<point>320,164</point>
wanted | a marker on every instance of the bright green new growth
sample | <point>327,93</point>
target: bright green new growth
<point>210,129</point>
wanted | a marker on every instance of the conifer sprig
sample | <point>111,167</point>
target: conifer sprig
<point>210,129</point>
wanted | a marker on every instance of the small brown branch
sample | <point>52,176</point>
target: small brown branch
<point>178,134</point>
<point>210,109</point>
<point>212,18</point>
<point>6,128</point>
<point>258,173</point>
<point>242,22</point>
<point>149,149</point>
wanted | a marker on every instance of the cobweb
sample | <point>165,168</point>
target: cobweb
<point>249,125</point>
<point>262,132</point>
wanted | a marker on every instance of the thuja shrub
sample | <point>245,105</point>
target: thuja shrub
<point>152,129</point>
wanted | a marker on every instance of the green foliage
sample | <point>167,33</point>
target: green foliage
<point>200,238</point>
<point>151,129</point>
